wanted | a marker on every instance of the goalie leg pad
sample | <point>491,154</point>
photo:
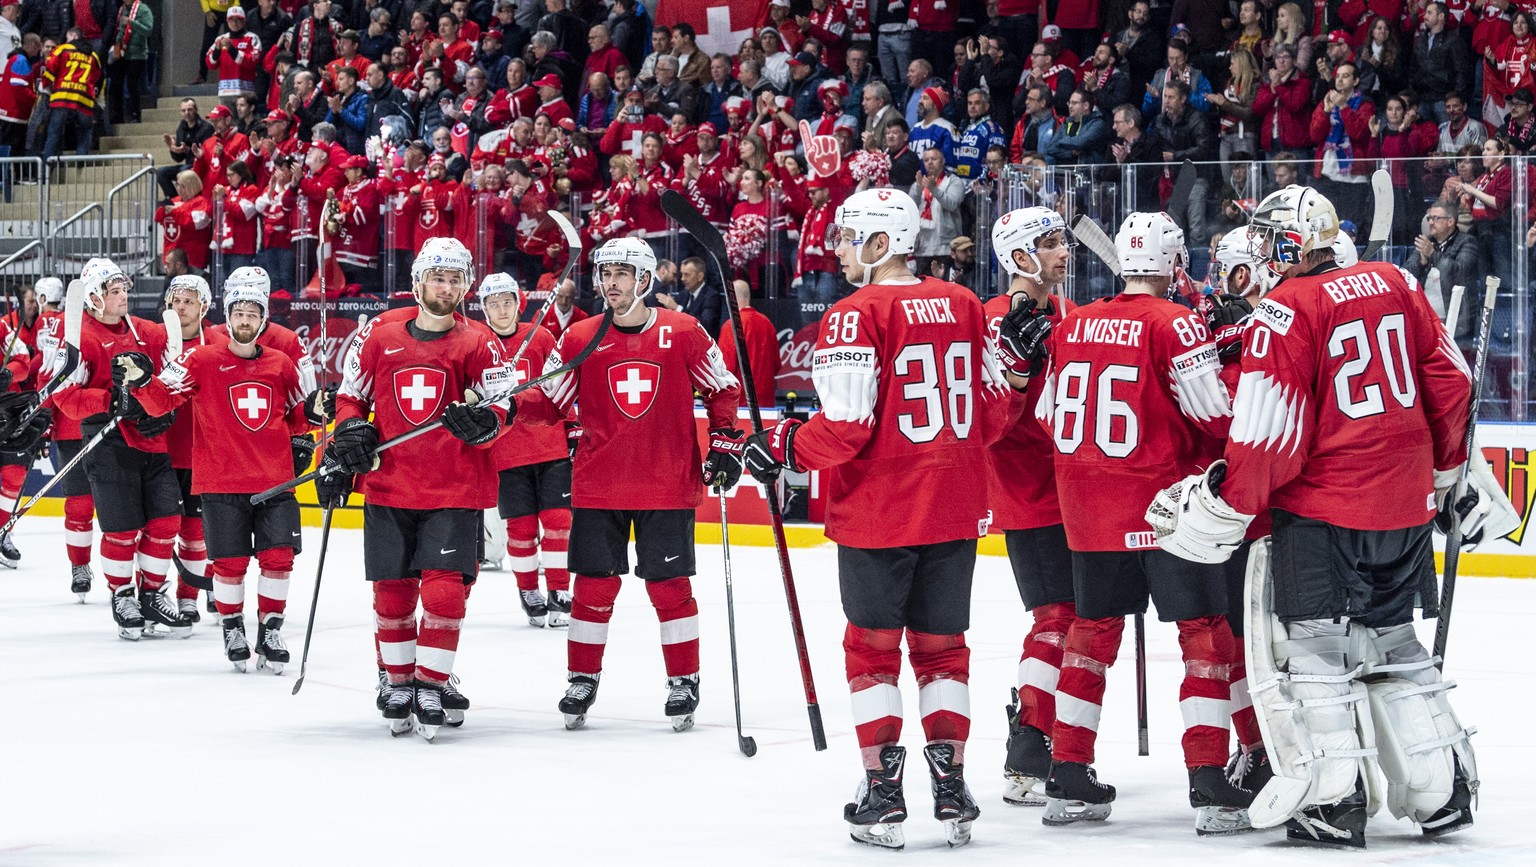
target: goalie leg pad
<point>1419,738</point>
<point>1303,693</point>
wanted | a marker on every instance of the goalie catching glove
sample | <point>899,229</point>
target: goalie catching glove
<point>722,466</point>
<point>771,449</point>
<point>1483,506</point>
<point>1191,520</point>
<point>1021,337</point>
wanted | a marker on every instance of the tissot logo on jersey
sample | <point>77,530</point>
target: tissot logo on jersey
<point>1276,315</point>
<point>844,359</point>
<point>633,385</point>
<point>1196,363</point>
<point>252,403</point>
<point>419,392</point>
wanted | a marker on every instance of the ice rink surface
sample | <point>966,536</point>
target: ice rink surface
<point>158,753</point>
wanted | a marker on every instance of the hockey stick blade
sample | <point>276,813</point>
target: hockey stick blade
<point>1091,236</point>
<point>190,578</point>
<point>1382,212</point>
<point>573,246</point>
<point>1453,312</point>
<point>173,338</point>
<point>1183,188</point>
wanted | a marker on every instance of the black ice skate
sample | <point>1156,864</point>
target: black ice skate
<point>879,806</point>
<point>383,691</point>
<point>533,606</point>
<point>398,704</point>
<point>1074,794</point>
<point>236,648</point>
<point>80,578</point>
<point>578,697</point>
<point>454,702</point>
<point>1220,807</point>
<point>429,709</point>
<point>1457,812</point>
<point>188,609</point>
<point>159,609</point>
<point>211,607</point>
<point>952,801</point>
<point>125,610</point>
<point>271,652</point>
<point>682,701</point>
<point>1338,824</point>
<point>559,609</point>
<point>1249,769</point>
<point>1028,765</point>
<point>9,556</point>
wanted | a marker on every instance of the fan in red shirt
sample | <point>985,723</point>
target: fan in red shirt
<point>235,55</point>
<point>278,204</point>
<point>762,347</point>
<point>911,397</point>
<point>518,99</point>
<point>226,145</point>
<point>421,540</point>
<point>187,221</point>
<point>433,195</point>
<point>563,313</point>
<point>637,392</point>
<point>246,403</point>
<point>242,218</point>
<point>626,133</point>
<point>357,243</point>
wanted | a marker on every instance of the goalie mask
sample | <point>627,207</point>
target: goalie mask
<point>881,211</point>
<point>1021,231</point>
<point>632,252</point>
<point>1289,224</point>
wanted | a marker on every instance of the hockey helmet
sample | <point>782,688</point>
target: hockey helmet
<point>191,283</point>
<point>499,283</point>
<point>879,211</point>
<point>1289,224</point>
<point>1233,251</point>
<point>1150,245</point>
<point>249,277</point>
<point>50,290</point>
<point>446,254</point>
<point>632,252</point>
<point>1021,230</point>
<point>97,274</point>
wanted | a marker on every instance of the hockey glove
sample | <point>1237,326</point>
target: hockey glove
<point>1484,507</point>
<point>573,432</point>
<point>6,377</point>
<point>126,407</point>
<point>25,439</point>
<point>722,466</point>
<point>320,405</point>
<point>131,369</point>
<point>153,426</point>
<point>475,424</point>
<point>1021,338</point>
<point>1191,521</point>
<point>770,450</point>
<point>1227,320</point>
<point>303,452</point>
<point>352,446</point>
<point>332,485</point>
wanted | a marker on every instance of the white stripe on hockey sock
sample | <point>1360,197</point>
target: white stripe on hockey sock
<point>434,659</point>
<point>554,560</point>
<point>876,703</point>
<point>1075,712</point>
<point>523,564</point>
<point>1198,711</point>
<point>1039,674</point>
<point>680,630</point>
<point>1241,700</point>
<point>154,565</point>
<point>229,591</point>
<point>946,695</point>
<point>79,538</point>
<point>273,585</point>
<point>117,568</point>
<point>587,632</point>
<point>398,653</point>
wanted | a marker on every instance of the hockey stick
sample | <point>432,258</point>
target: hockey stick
<point>1381,214</point>
<point>1091,236</point>
<point>1453,538</point>
<point>747,745</point>
<point>59,476</point>
<point>677,206</point>
<point>1183,188</point>
<point>74,310</point>
<point>1141,685</point>
<point>573,247</point>
<point>597,339</point>
<point>314,602</point>
<point>188,577</point>
<point>1453,315</point>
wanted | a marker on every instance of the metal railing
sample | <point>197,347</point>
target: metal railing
<point>130,213</point>
<point>67,251</point>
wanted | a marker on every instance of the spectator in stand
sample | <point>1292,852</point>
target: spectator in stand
<point>279,70</point>
<point>1458,131</point>
<point>859,75</point>
<point>313,40</point>
<point>702,178</point>
<point>1178,69</point>
<point>247,114</point>
<point>1141,45</point>
<point>187,221</point>
<point>878,113</point>
<point>661,46</point>
<point>349,110</point>
<point>1291,29</point>
<point>378,37</point>
<point>932,130</point>
<point>1083,137</point>
<point>721,87</point>
<point>628,31</point>
<point>962,262</point>
<point>307,104</point>
<point>1341,127</point>
<point>18,93</point>
<point>357,242</point>
<point>1205,24</point>
<point>213,22</point>
<point>551,105</point>
<point>458,52</point>
<point>472,107</point>
<point>348,54</point>
<point>650,175</point>
<point>598,107</point>
<point>920,77</point>
<point>72,76</point>
<point>905,163</point>
<point>938,195</point>
<point>1520,126</point>
<point>1444,258</point>
<point>225,146</point>
<point>786,25</point>
<point>1442,62</point>
<point>1383,62</point>
<point>10,34</point>
<point>125,62</point>
<point>1238,130</point>
<point>1401,139</point>
<point>971,146</point>
<point>692,63</point>
<point>269,22</point>
<point>235,57</point>
<point>828,25</point>
<point>549,60</point>
<point>697,299</point>
<point>236,236</point>
<point>1106,81</point>
<point>1134,147</point>
<point>1281,105</point>
<point>603,55</point>
<point>762,340</point>
<point>1336,50</point>
<point>569,30</point>
<point>564,312</point>
<point>1045,70</point>
<point>992,66</point>
<point>1250,35</point>
<point>670,94</point>
<point>1036,126</point>
<point>816,262</point>
<point>1489,200</point>
<point>1506,66</point>
<point>1185,135</point>
<point>775,58</point>
<point>517,99</point>
<point>384,100</point>
<point>576,172</point>
<point>192,130</point>
<point>627,133</point>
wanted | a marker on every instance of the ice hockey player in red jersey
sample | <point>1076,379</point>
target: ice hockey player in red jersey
<point>533,463</point>
<point>635,396</point>
<point>1034,247</point>
<point>188,295</point>
<point>421,541</point>
<point>137,500</point>
<point>245,403</point>
<point>273,335</point>
<point>911,398</point>
<point>1134,401</point>
<point>1349,425</point>
<point>79,507</point>
<point>16,376</point>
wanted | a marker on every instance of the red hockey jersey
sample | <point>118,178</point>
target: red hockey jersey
<point>1023,479</point>
<point>523,444</point>
<point>89,389</point>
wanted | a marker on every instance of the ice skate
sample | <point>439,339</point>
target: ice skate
<point>1028,765</point>
<point>10,558</point>
<point>578,698</point>
<point>382,695</point>
<point>1074,794</point>
<point>80,579</point>
<point>159,609</point>
<point>236,648</point>
<point>211,607</point>
<point>454,702</point>
<point>1337,824</point>
<point>1249,769</point>
<point>533,606</point>
<point>879,806</point>
<point>397,707</point>
<point>125,610</point>
<point>1220,806</point>
<point>953,804</point>
<point>682,701</point>
<point>271,652</point>
<point>188,609</point>
<point>429,710</point>
<point>491,564</point>
<point>1457,812</point>
<point>559,609</point>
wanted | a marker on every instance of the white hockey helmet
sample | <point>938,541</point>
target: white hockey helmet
<point>447,254</point>
<point>500,283</point>
<point>192,283</point>
<point>235,294</point>
<point>879,211</point>
<point>632,252</point>
<point>96,275</point>
<point>1344,250</point>
<point>1289,224</point>
<point>1150,244</point>
<point>1233,251</point>
<point>249,277</point>
<point>49,290</point>
<point>1021,230</point>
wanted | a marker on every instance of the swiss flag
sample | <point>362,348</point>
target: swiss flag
<point>633,386</point>
<point>252,403</point>
<point>419,392</point>
<point>721,24</point>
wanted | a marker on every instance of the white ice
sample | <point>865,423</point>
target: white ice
<point>159,753</point>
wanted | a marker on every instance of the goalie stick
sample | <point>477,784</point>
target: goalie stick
<point>1381,213</point>
<point>677,206</point>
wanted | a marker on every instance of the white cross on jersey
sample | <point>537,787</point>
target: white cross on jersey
<point>717,37</point>
<point>252,404</point>
<point>418,392</point>
<point>632,144</point>
<point>632,386</point>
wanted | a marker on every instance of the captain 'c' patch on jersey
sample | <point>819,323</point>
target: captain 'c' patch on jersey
<point>252,404</point>
<point>633,385</point>
<point>419,393</point>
